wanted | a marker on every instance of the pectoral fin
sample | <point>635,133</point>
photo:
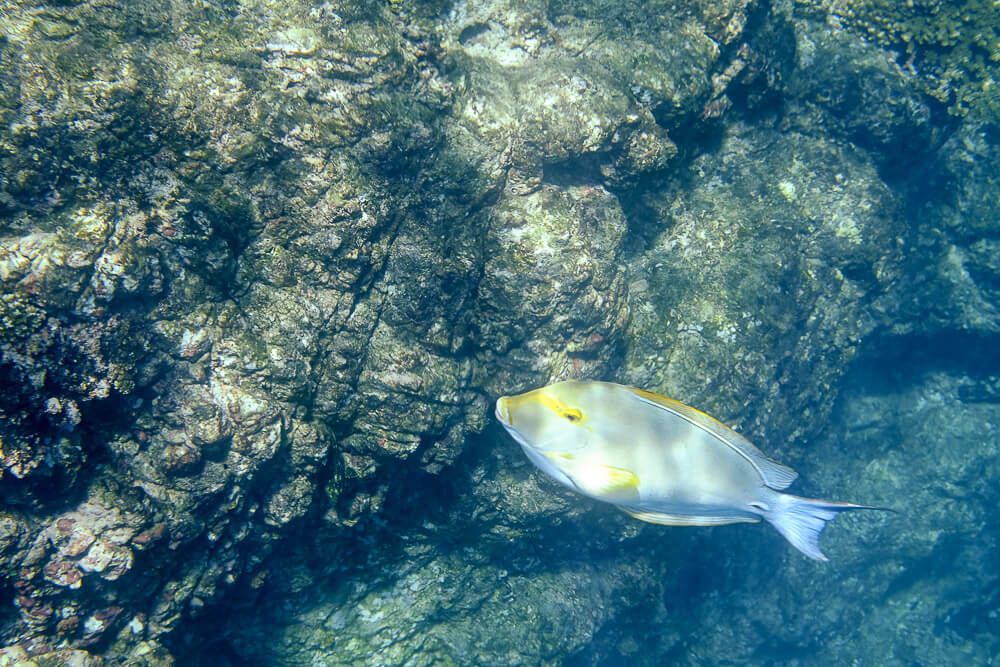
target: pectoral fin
<point>684,520</point>
<point>607,483</point>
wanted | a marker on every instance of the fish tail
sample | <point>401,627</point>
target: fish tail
<point>801,520</point>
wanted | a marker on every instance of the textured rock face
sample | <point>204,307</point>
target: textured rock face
<point>948,47</point>
<point>957,285</point>
<point>264,267</point>
<point>755,297</point>
<point>197,318</point>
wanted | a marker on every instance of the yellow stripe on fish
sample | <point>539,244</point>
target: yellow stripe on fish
<point>572,415</point>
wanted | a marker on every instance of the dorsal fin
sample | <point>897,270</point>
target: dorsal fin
<point>774,474</point>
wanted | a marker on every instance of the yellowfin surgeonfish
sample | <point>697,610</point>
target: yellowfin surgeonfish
<point>660,460</point>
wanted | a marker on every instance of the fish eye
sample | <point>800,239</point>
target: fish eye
<point>572,415</point>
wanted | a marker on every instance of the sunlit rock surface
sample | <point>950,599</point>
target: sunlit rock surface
<point>765,277</point>
<point>265,266</point>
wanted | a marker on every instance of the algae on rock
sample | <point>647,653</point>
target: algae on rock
<point>952,47</point>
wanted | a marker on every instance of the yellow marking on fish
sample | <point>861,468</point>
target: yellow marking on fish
<point>571,415</point>
<point>556,457</point>
<point>608,483</point>
<point>619,479</point>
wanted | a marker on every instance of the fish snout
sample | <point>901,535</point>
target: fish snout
<point>502,411</point>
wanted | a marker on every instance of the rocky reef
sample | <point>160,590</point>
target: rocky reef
<point>952,49</point>
<point>265,266</point>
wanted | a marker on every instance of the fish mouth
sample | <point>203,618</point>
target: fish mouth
<point>502,411</point>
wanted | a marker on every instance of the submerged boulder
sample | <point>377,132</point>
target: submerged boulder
<point>762,276</point>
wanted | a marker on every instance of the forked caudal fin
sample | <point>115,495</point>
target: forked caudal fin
<point>801,520</point>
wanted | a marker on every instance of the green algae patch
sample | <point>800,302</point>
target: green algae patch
<point>953,47</point>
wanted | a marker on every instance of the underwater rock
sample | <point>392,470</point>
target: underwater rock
<point>956,285</point>
<point>39,657</point>
<point>842,85</point>
<point>135,332</point>
<point>548,87</point>
<point>757,292</point>
<point>912,442</point>
<point>554,260</point>
<point>467,612</point>
<point>949,47</point>
<point>64,354</point>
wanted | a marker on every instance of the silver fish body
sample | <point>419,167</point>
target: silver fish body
<point>659,460</point>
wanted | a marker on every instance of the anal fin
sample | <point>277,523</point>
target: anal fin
<point>665,519</point>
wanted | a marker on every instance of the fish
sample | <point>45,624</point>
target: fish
<point>660,461</point>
